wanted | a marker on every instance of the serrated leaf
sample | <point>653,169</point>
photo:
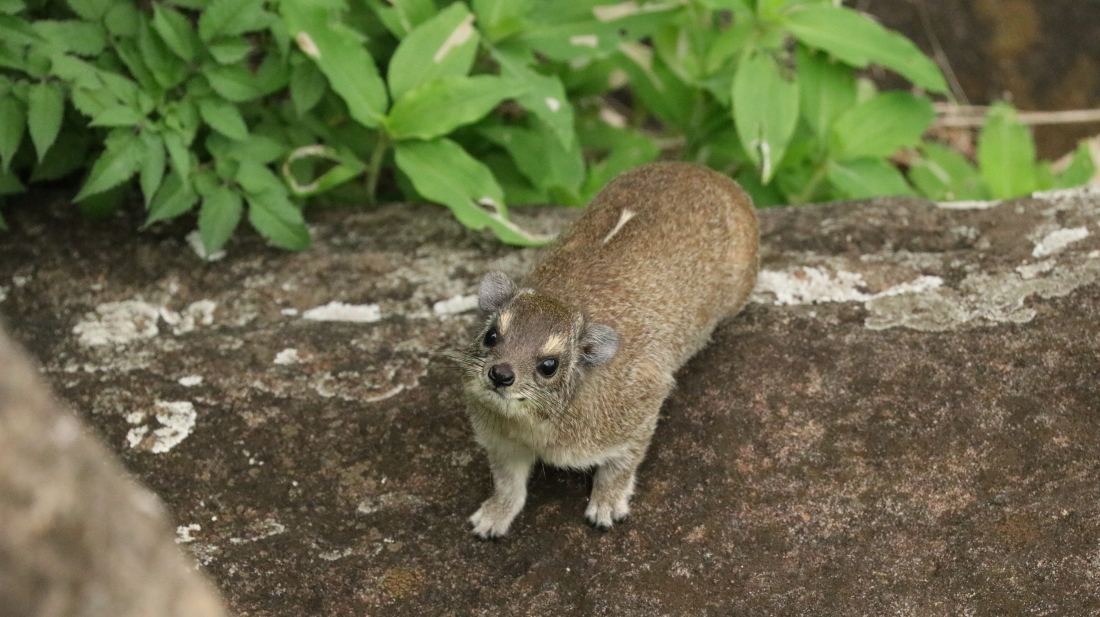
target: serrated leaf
<point>178,153</point>
<point>152,164</point>
<point>122,19</point>
<point>228,51</point>
<point>257,147</point>
<point>234,81</point>
<point>278,220</point>
<point>230,17</point>
<point>307,86</point>
<point>1006,154</point>
<point>438,107</point>
<point>443,46</point>
<point>117,163</point>
<point>765,110</point>
<point>443,172</point>
<point>176,32</point>
<point>92,10</point>
<point>882,125</point>
<point>255,177</point>
<point>16,32</point>
<point>173,198</point>
<point>865,178</point>
<point>339,53</point>
<point>68,154</point>
<point>79,37</point>
<point>45,106</point>
<point>167,68</point>
<point>826,90</point>
<point>12,128</point>
<point>859,41</point>
<point>119,115</point>
<point>223,117</point>
<point>219,216</point>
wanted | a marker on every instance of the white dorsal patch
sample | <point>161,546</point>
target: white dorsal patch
<point>623,218</point>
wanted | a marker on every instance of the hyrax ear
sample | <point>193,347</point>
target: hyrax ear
<point>598,344</point>
<point>495,291</point>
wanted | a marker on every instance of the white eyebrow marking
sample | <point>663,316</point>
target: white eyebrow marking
<point>554,344</point>
<point>504,321</point>
<point>623,218</point>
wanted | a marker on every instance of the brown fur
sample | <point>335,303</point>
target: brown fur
<point>662,255</point>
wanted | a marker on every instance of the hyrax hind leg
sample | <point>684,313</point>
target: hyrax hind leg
<point>612,489</point>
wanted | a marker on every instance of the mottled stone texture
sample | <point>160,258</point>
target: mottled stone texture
<point>78,537</point>
<point>913,430</point>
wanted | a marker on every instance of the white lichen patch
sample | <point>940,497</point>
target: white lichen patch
<point>338,311</point>
<point>1057,240</point>
<point>287,357</point>
<point>812,285</point>
<point>177,420</point>
<point>119,322</point>
<point>260,530</point>
<point>190,380</point>
<point>1030,271</point>
<point>972,204</point>
<point>454,305</point>
<point>183,533</point>
<point>130,320</point>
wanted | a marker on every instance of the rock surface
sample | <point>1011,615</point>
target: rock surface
<point>905,421</point>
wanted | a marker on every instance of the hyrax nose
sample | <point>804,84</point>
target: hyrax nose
<point>501,375</point>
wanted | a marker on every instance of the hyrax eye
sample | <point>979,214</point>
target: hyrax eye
<point>492,337</point>
<point>548,367</point>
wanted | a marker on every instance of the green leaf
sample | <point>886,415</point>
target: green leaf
<point>307,86</point>
<point>14,114</point>
<point>347,166</point>
<point>228,51</point>
<point>403,15</point>
<point>340,54</point>
<point>627,149</point>
<point>865,178</point>
<point>541,157</point>
<point>219,216</point>
<point>176,32</point>
<point>500,18</point>
<point>178,153</point>
<point>827,89</point>
<point>1080,171</point>
<point>443,172</point>
<point>945,175</point>
<point>234,81</point>
<point>255,177</point>
<point>658,88</point>
<point>881,125</point>
<point>443,46</point>
<point>92,10</point>
<point>545,96</point>
<point>12,7</point>
<point>230,17</point>
<point>117,163</point>
<point>438,107</point>
<point>68,154</point>
<point>45,106</point>
<point>122,19</point>
<point>167,68</point>
<point>857,40</point>
<point>152,164</point>
<point>173,198</point>
<point>765,109</point>
<point>223,117</point>
<point>17,33</point>
<point>278,220</point>
<point>79,37</point>
<point>1006,154</point>
<point>119,115</point>
<point>10,184</point>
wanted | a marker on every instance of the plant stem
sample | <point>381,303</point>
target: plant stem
<point>374,168</point>
<point>811,187</point>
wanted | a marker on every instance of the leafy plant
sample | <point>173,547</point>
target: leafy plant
<point>243,109</point>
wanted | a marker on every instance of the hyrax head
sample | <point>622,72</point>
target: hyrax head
<point>533,351</point>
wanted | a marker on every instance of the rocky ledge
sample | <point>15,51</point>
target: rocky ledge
<point>905,420</point>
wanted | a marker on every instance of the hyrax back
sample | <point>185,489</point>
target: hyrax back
<point>572,368</point>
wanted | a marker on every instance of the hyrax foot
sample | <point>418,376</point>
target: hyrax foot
<point>603,513</point>
<point>493,518</point>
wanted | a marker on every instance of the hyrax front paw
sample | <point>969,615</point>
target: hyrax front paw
<point>604,509</point>
<point>493,518</point>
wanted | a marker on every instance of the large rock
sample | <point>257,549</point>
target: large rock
<point>904,422</point>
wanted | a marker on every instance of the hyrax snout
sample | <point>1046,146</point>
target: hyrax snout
<point>572,368</point>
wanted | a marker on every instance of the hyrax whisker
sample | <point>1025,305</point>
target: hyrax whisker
<point>572,368</point>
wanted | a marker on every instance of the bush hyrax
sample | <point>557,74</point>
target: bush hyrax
<point>573,367</point>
